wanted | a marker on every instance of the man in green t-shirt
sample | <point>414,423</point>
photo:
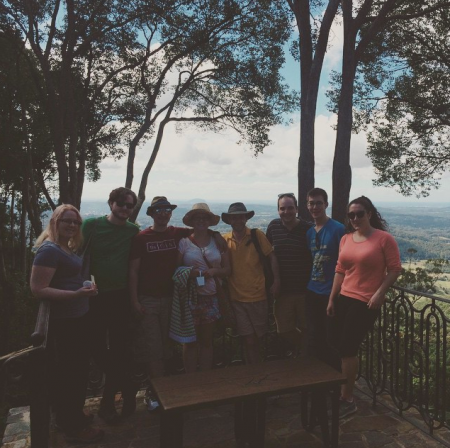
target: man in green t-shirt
<point>109,247</point>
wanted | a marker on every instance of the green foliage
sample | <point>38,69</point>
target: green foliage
<point>423,279</point>
<point>409,145</point>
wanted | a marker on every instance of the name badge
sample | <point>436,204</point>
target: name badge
<point>200,280</point>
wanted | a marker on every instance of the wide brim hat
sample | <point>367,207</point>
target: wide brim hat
<point>160,202</point>
<point>202,208</point>
<point>237,208</point>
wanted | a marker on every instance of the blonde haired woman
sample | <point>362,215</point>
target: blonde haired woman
<point>56,276</point>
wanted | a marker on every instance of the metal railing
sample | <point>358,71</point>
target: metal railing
<point>406,357</point>
<point>28,370</point>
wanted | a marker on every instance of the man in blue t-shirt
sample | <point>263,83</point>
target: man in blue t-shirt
<point>323,241</point>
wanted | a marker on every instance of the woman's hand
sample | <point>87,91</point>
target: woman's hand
<point>195,273</point>
<point>376,301</point>
<point>330,308</point>
<point>87,291</point>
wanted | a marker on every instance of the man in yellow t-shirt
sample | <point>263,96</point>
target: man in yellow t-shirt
<point>247,282</point>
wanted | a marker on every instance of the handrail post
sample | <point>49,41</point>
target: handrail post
<point>39,399</point>
<point>39,373</point>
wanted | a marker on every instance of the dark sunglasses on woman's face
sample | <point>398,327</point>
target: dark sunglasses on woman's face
<point>125,204</point>
<point>353,215</point>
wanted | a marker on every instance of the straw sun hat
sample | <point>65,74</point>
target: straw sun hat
<point>204,210</point>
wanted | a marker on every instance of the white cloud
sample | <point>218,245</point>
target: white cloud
<point>213,166</point>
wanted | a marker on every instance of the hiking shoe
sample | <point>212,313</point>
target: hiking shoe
<point>108,414</point>
<point>86,435</point>
<point>347,408</point>
<point>151,401</point>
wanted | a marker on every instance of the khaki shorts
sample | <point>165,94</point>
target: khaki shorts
<point>152,341</point>
<point>289,312</point>
<point>251,317</point>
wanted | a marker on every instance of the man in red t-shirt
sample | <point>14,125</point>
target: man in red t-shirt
<point>153,260</point>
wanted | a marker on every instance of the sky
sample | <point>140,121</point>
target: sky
<point>195,164</point>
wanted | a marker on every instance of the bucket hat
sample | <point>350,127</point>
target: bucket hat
<point>160,202</point>
<point>237,208</point>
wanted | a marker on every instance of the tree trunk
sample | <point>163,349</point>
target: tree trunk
<point>12,229</point>
<point>23,231</point>
<point>148,168</point>
<point>306,160</point>
<point>3,276</point>
<point>342,173</point>
<point>133,145</point>
<point>310,71</point>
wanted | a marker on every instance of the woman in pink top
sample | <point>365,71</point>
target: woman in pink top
<point>368,264</point>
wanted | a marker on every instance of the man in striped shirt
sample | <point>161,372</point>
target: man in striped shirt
<point>288,238</point>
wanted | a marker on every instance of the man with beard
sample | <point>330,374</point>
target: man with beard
<point>109,240</point>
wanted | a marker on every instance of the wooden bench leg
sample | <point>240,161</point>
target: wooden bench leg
<point>260,424</point>
<point>239,432</point>
<point>335,394</point>
<point>304,397</point>
<point>171,430</point>
<point>321,415</point>
<point>250,423</point>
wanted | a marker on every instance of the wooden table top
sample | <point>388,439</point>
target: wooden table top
<point>190,391</point>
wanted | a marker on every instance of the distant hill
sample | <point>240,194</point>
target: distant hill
<point>424,228</point>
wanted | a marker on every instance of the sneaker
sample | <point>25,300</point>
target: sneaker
<point>151,401</point>
<point>86,435</point>
<point>347,408</point>
<point>108,414</point>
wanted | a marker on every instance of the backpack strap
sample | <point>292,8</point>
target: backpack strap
<point>255,241</point>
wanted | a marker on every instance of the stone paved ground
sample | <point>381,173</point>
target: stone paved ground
<point>213,428</point>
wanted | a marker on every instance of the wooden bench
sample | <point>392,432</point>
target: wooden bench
<point>247,387</point>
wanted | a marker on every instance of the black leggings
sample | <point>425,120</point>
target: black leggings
<point>351,322</point>
<point>68,343</point>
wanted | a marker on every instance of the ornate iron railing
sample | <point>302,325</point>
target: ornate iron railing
<point>405,356</point>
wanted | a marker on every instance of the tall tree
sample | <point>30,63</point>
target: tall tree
<point>314,33</point>
<point>367,29</point>
<point>213,64</point>
<point>410,142</point>
<point>82,48</point>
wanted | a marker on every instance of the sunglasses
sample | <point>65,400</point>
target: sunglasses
<point>125,204</point>
<point>353,215</point>
<point>282,195</point>
<point>158,211</point>
<point>75,222</point>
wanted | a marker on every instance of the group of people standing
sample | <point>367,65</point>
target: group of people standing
<point>328,285</point>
